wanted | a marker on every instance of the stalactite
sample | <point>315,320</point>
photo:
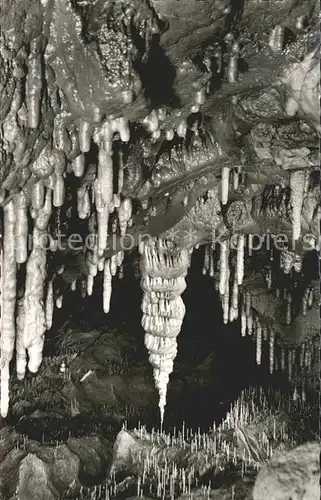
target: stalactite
<point>85,134</point>
<point>268,278</point>
<point>200,97</point>
<point>248,304</point>
<point>250,323</point>
<point>224,266</point>
<point>232,71</point>
<point>271,351</point>
<point>105,176</point>
<point>59,301</point>
<point>226,299</point>
<point>102,222</point>
<point>310,297</point>
<point>34,83</point>
<point>276,39</point>
<point>83,202</point>
<point>243,323</point>
<point>212,261</point>
<point>265,332</point>
<point>21,227</point>
<point>38,195</point>
<point>32,339</point>
<point>151,121</point>
<point>302,355</point>
<point>258,343</point>
<point>90,284</point>
<point>78,165</point>
<point>49,305</point>
<point>113,265</point>
<point>163,280</point>
<point>124,214</point>
<point>73,285</point>
<point>59,189</point>
<point>169,135</point>
<point>182,129</point>
<point>289,365</point>
<point>234,307</point>
<point>120,172</point>
<point>83,288</point>
<point>107,287</point>
<point>236,177</point>
<point>240,259</point>
<point>206,264</point>
<point>121,126</point>
<point>8,329</point>
<point>297,179</point>
<point>225,184</point>
<point>282,359</point>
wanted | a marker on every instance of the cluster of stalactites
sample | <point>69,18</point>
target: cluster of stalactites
<point>237,302</point>
<point>289,262</point>
<point>26,335</point>
<point>227,279</point>
<point>163,281</point>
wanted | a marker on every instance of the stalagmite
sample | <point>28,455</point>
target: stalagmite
<point>225,185</point>
<point>297,195</point>
<point>21,227</point>
<point>49,305</point>
<point>32,339</point>
<point>107,286</point>
<point>73,285</point>
<point>34,83</point>
<point>8,328</point>
<point>163,280</point>
<point>240,259</point>
<point>224,266</point>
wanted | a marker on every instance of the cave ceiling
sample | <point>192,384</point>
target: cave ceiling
<point>185,122</point>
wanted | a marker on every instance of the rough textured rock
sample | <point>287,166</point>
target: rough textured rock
<point>292,475</point>
<point>34,479</point>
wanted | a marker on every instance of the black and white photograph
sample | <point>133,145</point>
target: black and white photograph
<point>160,250</point>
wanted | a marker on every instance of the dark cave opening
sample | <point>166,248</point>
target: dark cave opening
<point>214,363</point>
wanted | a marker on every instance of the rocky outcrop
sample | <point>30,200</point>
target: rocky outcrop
<point>291,475</point>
